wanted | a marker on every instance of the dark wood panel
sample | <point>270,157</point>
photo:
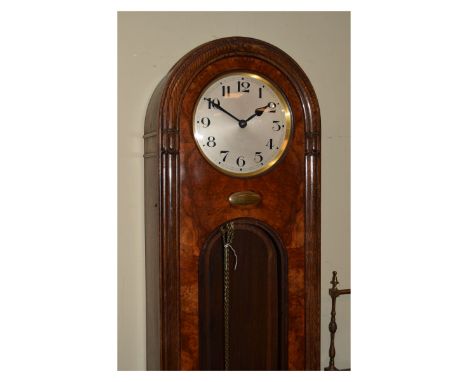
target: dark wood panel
<point>258,306</point>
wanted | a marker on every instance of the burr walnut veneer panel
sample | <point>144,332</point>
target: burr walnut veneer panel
<point>187,199</point>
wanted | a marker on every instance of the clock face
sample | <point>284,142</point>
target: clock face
<point>242,124</point>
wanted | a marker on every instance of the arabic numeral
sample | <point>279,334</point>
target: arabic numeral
<point>226,90</point>
<point>225,153</point>
<point>243,86</point>
<point>277,126</point>
<point>270,144</point>
<point>258,157</point>
<point>211,142</point>
<point>205,121</point>
<point>240,161</point>
<point>212,101</point>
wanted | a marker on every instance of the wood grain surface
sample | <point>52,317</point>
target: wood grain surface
<point>190,199</point>
<point>258,300</point>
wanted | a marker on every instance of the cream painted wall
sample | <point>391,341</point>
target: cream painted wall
<point>149,43</point>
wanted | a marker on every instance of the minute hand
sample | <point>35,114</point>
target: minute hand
<point>222,109</point>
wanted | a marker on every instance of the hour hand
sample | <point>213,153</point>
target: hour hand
<point>260,110</point>
<point>219,107</point>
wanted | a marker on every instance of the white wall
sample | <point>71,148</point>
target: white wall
<point>149,43</point>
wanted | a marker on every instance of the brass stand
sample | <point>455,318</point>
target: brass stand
<point>334,293</point>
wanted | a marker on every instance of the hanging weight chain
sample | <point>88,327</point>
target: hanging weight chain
<point>228,235</point>
<point>226,309</point>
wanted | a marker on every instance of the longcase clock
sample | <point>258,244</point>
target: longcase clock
<point>232,212</point>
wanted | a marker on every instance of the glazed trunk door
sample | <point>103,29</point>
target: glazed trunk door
<point>257,306</point>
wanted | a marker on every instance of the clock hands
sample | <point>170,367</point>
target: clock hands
<point>260,110</point>
<point>242,122</point>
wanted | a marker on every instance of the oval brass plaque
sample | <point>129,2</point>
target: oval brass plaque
<point>244,198</point>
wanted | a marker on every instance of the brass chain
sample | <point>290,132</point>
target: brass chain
<point>228,234</point>
<point>226,310</point>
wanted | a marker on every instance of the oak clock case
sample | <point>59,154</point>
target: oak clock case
<point>232,212</point>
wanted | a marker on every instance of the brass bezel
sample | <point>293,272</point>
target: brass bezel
<point>287,123</point>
